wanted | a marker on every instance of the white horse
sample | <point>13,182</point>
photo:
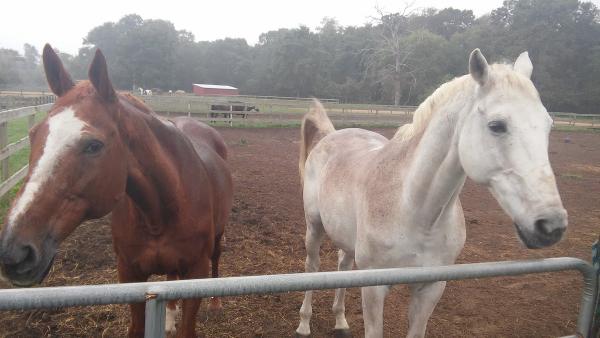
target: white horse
<point>395,203</point>
<point>148,92</point>
<point>141,90</point>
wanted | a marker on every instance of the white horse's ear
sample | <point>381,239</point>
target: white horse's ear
<point>478,67</point>
<point>523,65</point>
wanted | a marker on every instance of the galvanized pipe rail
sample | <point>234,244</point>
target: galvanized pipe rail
<point>156,294</point>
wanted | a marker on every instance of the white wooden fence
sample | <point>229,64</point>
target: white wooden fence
<point>6,150</point>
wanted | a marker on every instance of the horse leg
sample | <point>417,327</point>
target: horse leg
<point>373,298</point>
<point>138,310</point>
<point>423,298</point>
<point>345,262</point>
<point>314,237</point>
<point>172,311</point>
<point>190,306</point>
<point>215,307</point>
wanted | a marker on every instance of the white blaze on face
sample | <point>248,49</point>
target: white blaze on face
<point>64,130</point>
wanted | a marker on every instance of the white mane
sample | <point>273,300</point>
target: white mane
<point>502,77</point>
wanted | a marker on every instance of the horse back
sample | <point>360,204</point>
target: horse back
<point>333,171</point>
<point>210,147</point>
<point>202,134</point>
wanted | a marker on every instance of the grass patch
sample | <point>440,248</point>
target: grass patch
<point>6,200</point>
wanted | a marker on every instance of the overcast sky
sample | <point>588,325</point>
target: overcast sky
<point>64,23</point>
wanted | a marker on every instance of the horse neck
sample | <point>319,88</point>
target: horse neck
<point>153,183</point>
<point>428,163</point>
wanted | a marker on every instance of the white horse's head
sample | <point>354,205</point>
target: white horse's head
<point>503,144</point>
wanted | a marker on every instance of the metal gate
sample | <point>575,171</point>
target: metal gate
<point>156,294</point>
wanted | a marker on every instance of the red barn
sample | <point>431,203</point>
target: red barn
<point>209,89</point>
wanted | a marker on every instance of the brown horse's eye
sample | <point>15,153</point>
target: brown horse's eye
<point>93,147</point>
<point>498,127</point>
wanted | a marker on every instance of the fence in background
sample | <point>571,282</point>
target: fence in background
<point>6,150</point>
<point>273,110</point>
<point>156,294</point>
<point>572,119</point>
<point>11,100</point>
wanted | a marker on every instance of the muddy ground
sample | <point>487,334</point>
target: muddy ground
<point>266,236</point>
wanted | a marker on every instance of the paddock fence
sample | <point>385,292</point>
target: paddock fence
<point>274,111</point>
<point>572,119</point>
<point>10,179</point>
<point>156,294</point>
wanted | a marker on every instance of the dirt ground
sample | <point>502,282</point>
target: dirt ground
<point>266,237</point>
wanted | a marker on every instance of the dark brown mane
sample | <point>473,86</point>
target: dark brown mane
<point>139,104</point>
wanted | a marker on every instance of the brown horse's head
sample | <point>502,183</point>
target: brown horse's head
<point>77,171</point>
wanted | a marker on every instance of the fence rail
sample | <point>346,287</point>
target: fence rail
<point>156,294</point>
<point>572,119</point>
<point>202,105</point>
<point>6,150</point>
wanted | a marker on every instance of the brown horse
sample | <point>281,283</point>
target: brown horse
<point>166,183</point>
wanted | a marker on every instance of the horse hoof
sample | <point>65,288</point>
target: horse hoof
<point>215,308</point>
<point>342,333</point>
<point>214,313</point>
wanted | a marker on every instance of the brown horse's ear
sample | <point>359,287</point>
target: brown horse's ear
<point>99,77</point>
<point>58,79</point>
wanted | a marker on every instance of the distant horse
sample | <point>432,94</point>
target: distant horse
<point>166,183</point>
<point>141,90</point>
<point>148,92</point>
<point>395,203</point>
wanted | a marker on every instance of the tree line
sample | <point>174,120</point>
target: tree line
<point>398,58</point>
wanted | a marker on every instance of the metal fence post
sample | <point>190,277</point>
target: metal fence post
<point>154,326</point>
<point>595,330</point>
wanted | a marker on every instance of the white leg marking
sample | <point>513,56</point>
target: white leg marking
<point>64,130</point>
<point>171,318</point>
<point>314,237</point>
<point>345,262</point>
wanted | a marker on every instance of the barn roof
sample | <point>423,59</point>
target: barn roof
<point>211,86</point>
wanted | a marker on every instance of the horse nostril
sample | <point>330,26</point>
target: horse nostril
<point>548,228</point>
<point>541,225</point>
<point>30,255</point>
<point>29,259</point>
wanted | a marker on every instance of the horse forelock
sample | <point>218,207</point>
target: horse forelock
<point>503,77</point>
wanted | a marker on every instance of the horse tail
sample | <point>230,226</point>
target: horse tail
<point>315,125</point>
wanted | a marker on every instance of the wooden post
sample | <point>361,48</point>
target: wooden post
<point>3,144</point>
<point>31,118</point>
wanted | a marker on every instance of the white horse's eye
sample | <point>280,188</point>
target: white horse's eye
<point>497,127</point>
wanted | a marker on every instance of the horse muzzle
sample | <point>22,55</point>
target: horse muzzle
<point>546,229</point>
<point>25,264</point>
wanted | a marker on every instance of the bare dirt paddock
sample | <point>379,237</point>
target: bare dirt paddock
<point>266,236</point>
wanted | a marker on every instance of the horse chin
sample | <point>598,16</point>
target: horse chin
<point>531,241</point>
